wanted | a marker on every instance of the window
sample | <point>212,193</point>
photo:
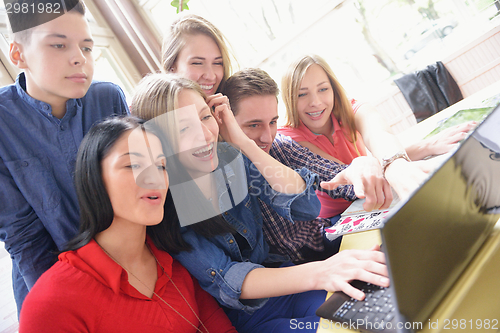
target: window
<point>8,72</point>
<point>367,43</point>
<point>111,61</point>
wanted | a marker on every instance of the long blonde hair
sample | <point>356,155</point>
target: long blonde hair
<point>290,86</point>
<point>155,97</point>
<point>158,94</point>
<point>190,24</point>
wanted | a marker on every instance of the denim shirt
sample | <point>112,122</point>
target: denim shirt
<point>218,262</point>
<point>38,205</point>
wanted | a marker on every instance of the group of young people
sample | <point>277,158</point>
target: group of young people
<point>187,211</point>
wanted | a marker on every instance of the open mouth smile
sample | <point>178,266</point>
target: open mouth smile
<point>315,114</point>
<point>204,152</point>
<point>207,87</point>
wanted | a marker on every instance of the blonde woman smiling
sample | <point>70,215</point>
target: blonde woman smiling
<point>195,49</point>
<point>322,118</point>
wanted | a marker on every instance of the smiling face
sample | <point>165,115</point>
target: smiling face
<point>57,59</point>
<point>135,178</point>
<point>201,61</point>
<point>198,131</point>
<point>315,100</point>
<point>258,117</point>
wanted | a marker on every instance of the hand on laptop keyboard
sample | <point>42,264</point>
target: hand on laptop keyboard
<point>365,265</point>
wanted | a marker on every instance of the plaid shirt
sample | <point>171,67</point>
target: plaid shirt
<point>290,238</point>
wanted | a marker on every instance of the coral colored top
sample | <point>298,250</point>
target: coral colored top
<point>342,149</point>
<point>86,291</point>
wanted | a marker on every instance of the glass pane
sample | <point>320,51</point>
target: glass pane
<point>367,43</point>
<point>4,27</point>
<point>106,69</point>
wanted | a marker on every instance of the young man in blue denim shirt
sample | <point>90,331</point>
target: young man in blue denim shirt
<point>253,97</point>
<point>43,118</point>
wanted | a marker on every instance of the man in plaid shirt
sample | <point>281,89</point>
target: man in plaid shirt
<point>253,98</point>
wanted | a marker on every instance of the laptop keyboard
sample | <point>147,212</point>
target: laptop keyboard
<point>377,306</point>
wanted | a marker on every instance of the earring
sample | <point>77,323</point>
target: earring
<point>171,69</point>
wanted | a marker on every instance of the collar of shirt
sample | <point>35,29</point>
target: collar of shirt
<point>230,177</point>
<point>44,108</point>
<point>311,136</point>
<point>92,260</point>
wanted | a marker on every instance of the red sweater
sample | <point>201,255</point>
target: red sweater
<point>86,291</point>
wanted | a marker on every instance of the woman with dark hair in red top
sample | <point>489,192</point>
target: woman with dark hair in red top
<point>117,275</point>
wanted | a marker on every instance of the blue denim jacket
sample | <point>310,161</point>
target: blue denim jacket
<point>218,263</point>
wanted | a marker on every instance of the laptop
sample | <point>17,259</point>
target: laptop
<point>430,238</point>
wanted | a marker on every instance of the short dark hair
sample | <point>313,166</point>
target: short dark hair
<point>96,211</point>
<point>248,82</point>
<point>22,24</point>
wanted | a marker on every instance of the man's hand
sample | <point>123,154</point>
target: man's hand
<point>365,173</point>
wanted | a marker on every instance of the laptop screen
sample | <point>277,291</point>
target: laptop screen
<point>434,234</point>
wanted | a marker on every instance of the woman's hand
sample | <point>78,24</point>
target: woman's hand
<point>365,173</point>
<point>406,176</point>
<point>228,127</point>
<point>448,139</point>
<point>365,265</point>
<point>440,143</point>
<point>332,274</point>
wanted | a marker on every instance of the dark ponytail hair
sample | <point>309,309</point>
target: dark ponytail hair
<point>96,211</point>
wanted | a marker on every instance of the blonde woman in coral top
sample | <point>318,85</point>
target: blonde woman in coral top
<point>321,117</point>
